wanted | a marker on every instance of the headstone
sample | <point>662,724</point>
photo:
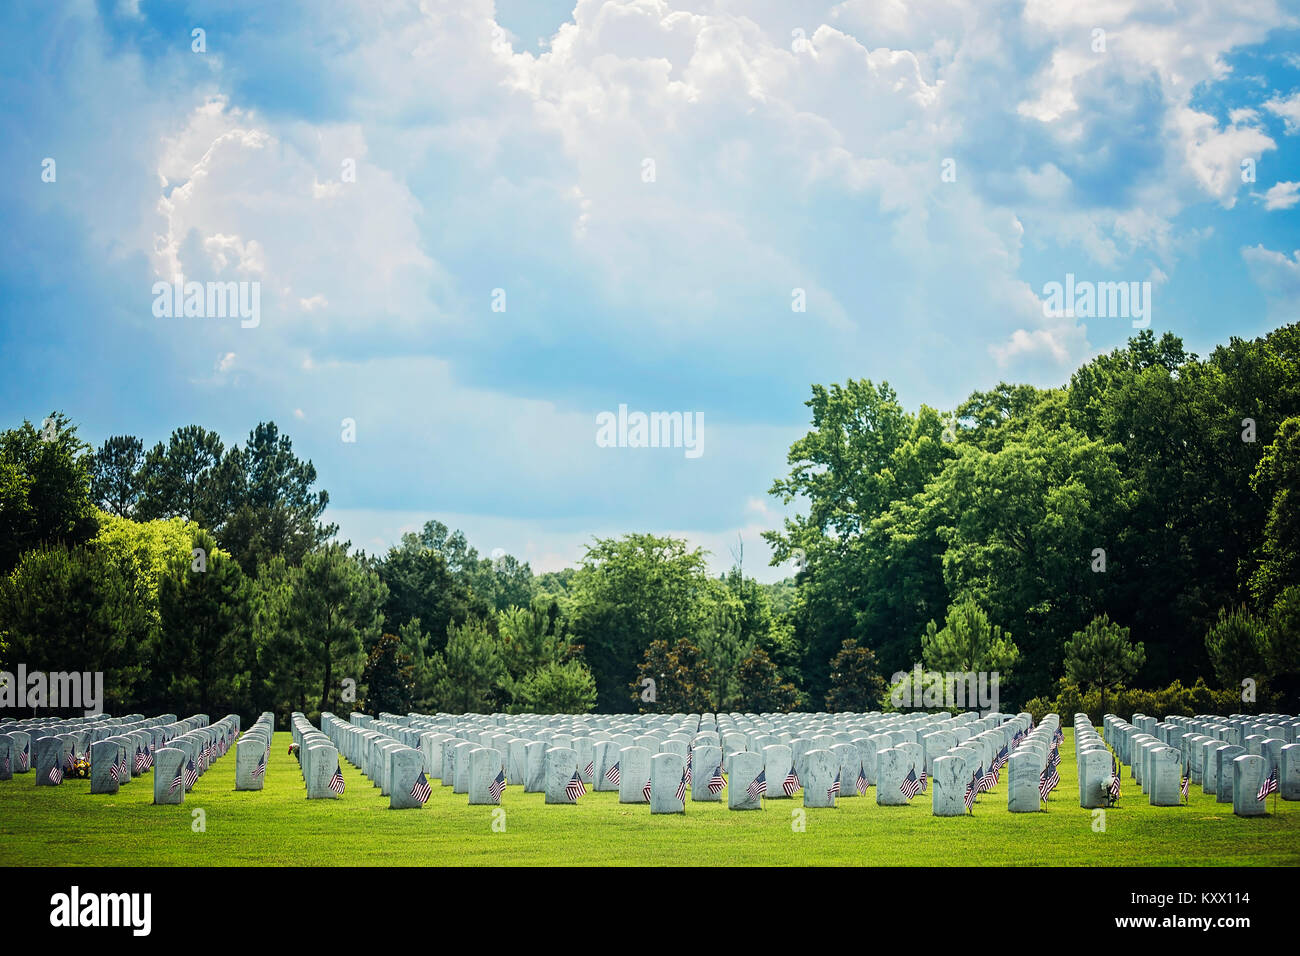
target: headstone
<point>892,765</point>
<point>949,777</point>
<point>1022,789</point>
<point>406,779</point>
<point>744,770</point>
<point>168,762</point>
<point>486,769</point>
<point>1094,768</point>
<point>667,781</point>
<point>323,761</point>
<point>634,774</point>
<point>707,759</point>
<point>1288,774</point>
<point>561,764</point>
<point>1247,776</point>
<point>104,767</point>
<point>49,761</point>
<point>1224,757</point>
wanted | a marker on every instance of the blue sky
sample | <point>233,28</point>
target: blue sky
<point>795,146</point>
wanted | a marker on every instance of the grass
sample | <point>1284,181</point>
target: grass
<point>278,826</point>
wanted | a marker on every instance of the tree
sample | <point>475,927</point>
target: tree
<point>556,688</point>
<point>337,605</point>
<point>189,477</point>
<point>1235,643</point>
<point>44,489</point>
<point>1277,479</point>
<point>422,586</point>
<point>724,644</point>
<point>205,640</point>
<point>1282,644</point>
<point>78,609</point>
<point>273,509</point>
<point>967,643</point>
<point>285,671</point>
<point>855,681</point>
<point>1102,656</point>
<point>115,481</point>
<point>681,679</point>
<point>469,670</point>
<point>629,593</point>
<point>389,677</point>
<point>760,688</point>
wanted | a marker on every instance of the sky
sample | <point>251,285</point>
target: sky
<point>474,229</point>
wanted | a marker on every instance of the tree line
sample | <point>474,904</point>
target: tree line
<point>1136,528</point>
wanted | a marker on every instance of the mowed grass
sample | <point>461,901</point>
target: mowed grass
<point>278,826</point>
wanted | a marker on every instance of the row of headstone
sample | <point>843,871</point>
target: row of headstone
<point>188,755</point>
<point>318,759</point>
<point>385,754</point>
<point>253,753</point>
<point>1239,759</point>
<point>52,747</point>
<point>660,759</point>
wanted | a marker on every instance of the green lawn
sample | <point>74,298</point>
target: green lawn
<point>279,826</point>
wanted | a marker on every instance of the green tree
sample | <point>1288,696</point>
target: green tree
<point>115,481</point>
<point>337,603</point>
<point>1102,656</point>
<point>760,687</point>
<point>389,677</point>
<point>190,477</point>
<point>681,679</point>
<point>556,688</point>
<point>855,681</point>
<point>422,586</point>
<point>285,672</point>
<point>1277,480</point>
<point>205,641</point>
<point>968,643</point>
<point>78,609</point>
<point>1235,643</point>
<point>272,507</point>
<point>44,489</point>
<point>470,671</point>
<point>629,593</point>
<point>1282,644</point>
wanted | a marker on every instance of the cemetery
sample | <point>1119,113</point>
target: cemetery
<point>871,788</point>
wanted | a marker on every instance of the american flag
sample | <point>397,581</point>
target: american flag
<point>575,787</point>
<point>24,758</point>
<point>759,787</point>
<point>122,771</point>
<point>1114,786</point>
<point>645,791</point>
<point>717,782</point>
<point>206,752</point>
<point>591,769</point>
<point>420,790</point>
<point>1186,779</point>
<point>1054,758</point>
<point>113,772</point>
<point>988,781</point>
<point>690,754</point>
<point>970,793</point>
<point>1058,737</point>
<point>338,784</point>
<point>497,785</point>
<point>191,775</point>
<point>141,761</point>
<point>1047,781</point>
<point>260,769</point>
<point>1268,786</point>
<point>4,767</point>
<point>681,786</point>
<point>925,780</point>
<point>862,783</point>
<point>179,780</point>
<point>789,785</point>
<point>834,789</point>
<point>69,760</point>
<point>56,774</point>
<point>612,775</point>
<point>910,786</point>
<point>1001,759</point>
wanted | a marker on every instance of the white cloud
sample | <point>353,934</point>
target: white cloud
<point>1288,108</point>
<point>1282,196</point>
